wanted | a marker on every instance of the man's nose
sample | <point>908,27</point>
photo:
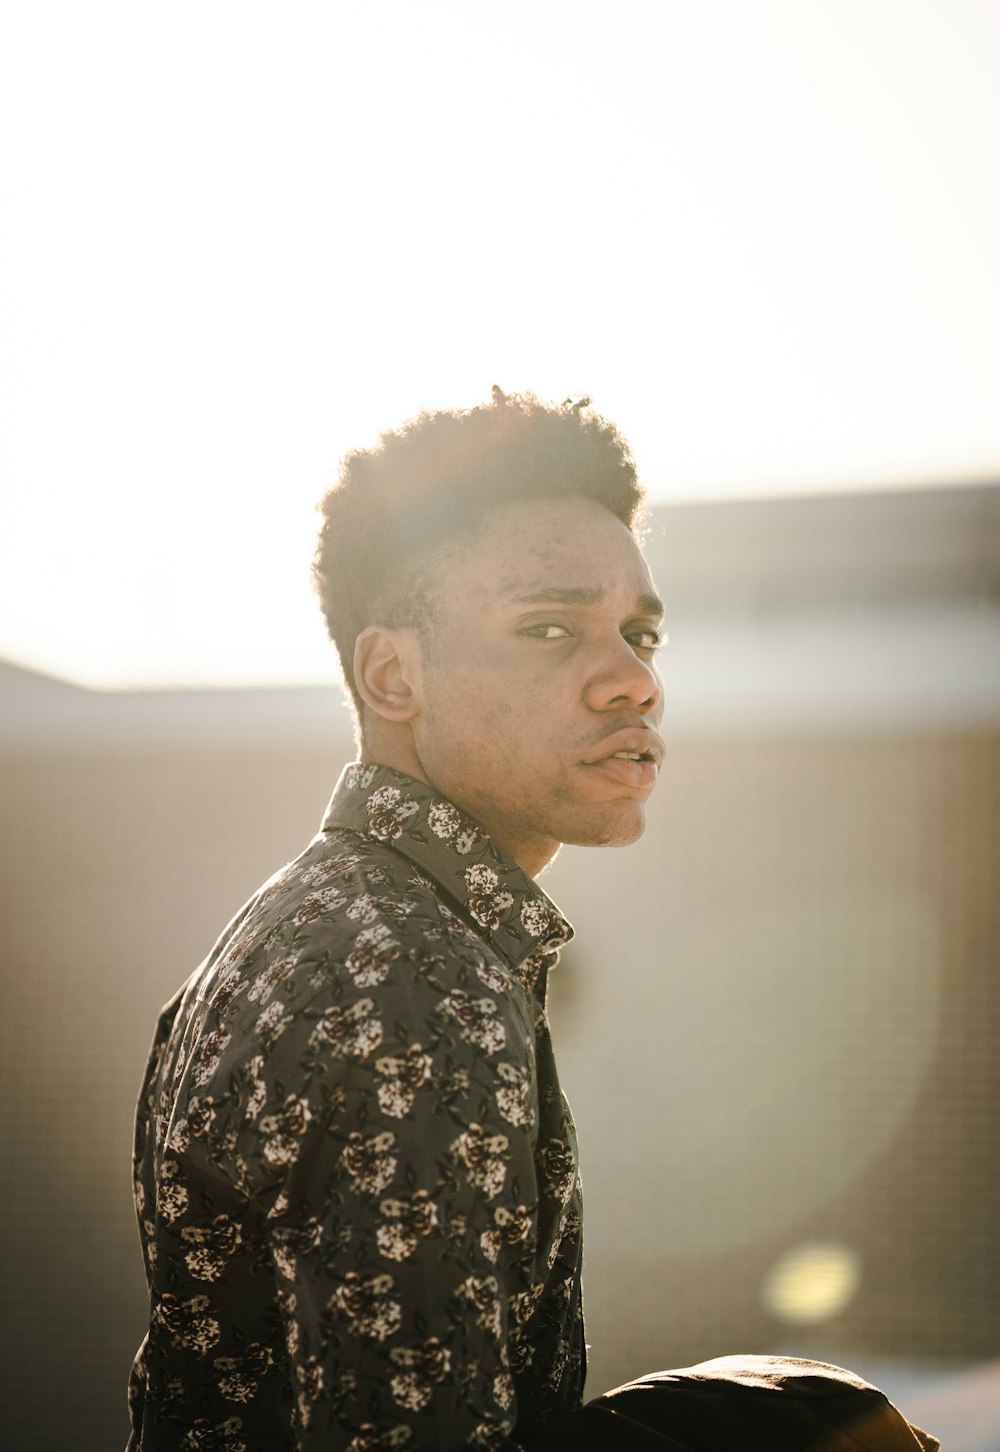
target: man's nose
<point>623,679</point>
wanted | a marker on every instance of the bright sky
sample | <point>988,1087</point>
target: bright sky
<point>238,239</point>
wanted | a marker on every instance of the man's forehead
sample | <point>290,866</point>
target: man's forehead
<point>586,567</point>
<point>570,551</point>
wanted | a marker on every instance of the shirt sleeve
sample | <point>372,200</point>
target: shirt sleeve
<point>403,1118</point>
<point>144,1139</point>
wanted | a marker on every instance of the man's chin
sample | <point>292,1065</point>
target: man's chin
<point>611,829</point>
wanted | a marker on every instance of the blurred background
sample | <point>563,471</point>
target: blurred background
<point>237,241</point>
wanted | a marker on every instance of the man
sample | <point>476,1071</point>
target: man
<point>355,1172</point>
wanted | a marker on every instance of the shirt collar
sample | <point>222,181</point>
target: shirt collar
<point>504,904</point>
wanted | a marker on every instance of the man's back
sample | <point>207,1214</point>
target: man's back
<point>355,1172</point>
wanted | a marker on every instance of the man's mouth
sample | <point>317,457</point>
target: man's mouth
<point>633,758</point>
<point>629,743</point>
<point>627,768</point>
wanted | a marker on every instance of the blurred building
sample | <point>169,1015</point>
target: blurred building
<point>777,1024</point>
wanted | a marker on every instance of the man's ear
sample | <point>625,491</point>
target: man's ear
<point>387,672</point>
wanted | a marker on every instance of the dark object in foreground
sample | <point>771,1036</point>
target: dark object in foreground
<point>740,1404</point>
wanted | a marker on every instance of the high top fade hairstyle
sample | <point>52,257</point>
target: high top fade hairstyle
<point>399,512</point>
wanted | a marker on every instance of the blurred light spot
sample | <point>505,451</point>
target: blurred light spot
<point>812,1283</point>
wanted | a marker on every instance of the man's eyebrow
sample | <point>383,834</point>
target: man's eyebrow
<point>646,604</point>
<point>570,595</point>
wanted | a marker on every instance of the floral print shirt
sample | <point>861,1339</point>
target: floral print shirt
<point>355,1174</point>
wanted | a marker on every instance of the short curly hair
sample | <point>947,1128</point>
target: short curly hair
<point>396,507</point>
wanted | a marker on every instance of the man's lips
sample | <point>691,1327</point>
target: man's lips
<point>626,744</point>
<point>630,757</point>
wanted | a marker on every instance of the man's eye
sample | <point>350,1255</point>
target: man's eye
<point>646,639</point>
<point>548,631</point>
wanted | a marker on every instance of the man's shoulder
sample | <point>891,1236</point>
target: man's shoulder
<point>348,948</point>
<point>339,870</point>
<point>333,919</point>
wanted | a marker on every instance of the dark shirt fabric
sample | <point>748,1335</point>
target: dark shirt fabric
<point>355,1173</point>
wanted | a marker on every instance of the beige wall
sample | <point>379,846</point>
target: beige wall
<point>777,1026</point>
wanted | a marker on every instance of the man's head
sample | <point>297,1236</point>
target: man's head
<point>496,620</point>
